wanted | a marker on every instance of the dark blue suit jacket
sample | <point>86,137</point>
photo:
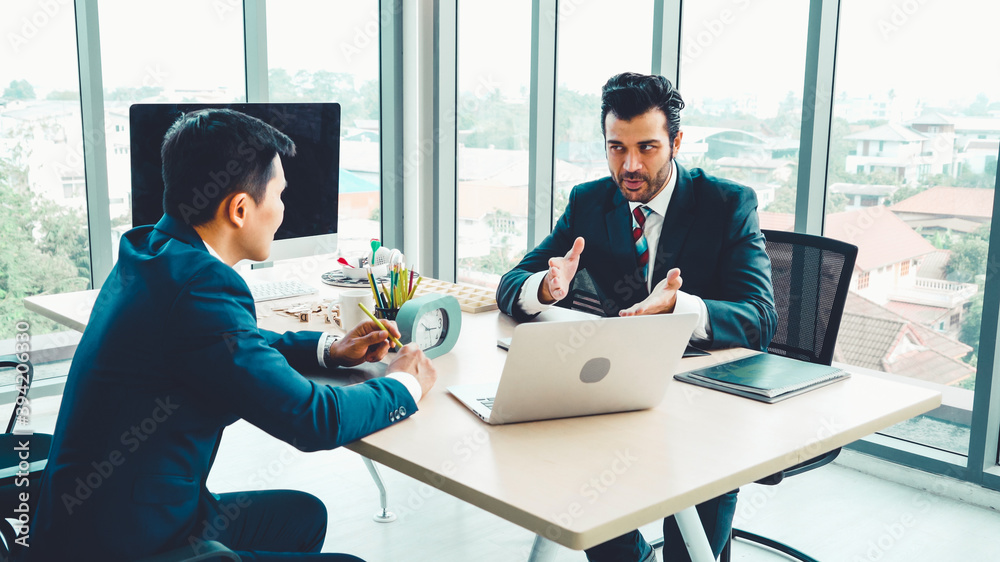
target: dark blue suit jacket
<point>172,355</point>
<point>711,232</point>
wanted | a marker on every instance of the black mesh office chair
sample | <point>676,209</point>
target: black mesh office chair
<point>38,451</point>
<point>38,445</point>
<point>811,276</point>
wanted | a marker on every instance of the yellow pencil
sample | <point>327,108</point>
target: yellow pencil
<point>379,324</point>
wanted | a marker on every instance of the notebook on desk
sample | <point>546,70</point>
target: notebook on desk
<point>765,377</point>
<point>582,367</point>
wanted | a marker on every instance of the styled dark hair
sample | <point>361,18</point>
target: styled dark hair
<point>210,154</point>
<point>630,94</point>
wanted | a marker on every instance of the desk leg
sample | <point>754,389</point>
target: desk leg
<point>384,516</point>
<point>542,550</point>
<point>694,535</point>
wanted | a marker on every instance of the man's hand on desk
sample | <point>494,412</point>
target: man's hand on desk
<point>365,342</point>
<point>411,360</point>
<point>556,284</point>
<point>661,300</point>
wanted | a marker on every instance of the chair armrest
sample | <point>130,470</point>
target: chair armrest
<point>206,550</point>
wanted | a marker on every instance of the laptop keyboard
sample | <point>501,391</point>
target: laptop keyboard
<point>488,402</point>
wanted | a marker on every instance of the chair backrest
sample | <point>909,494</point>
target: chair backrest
<point>811,276</point>
<point>23,376</point>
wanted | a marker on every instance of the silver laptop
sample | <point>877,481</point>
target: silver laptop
<point>582,367</point>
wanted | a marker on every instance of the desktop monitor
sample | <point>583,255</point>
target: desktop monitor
<point>310,223</point>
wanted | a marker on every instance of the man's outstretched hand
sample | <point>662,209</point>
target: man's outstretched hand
<point>556,284</point>
<point>661,300</point>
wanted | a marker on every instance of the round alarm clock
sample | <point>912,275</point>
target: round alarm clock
<point>432,322</point>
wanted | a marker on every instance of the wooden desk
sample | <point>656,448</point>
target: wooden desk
<point>582,481</point>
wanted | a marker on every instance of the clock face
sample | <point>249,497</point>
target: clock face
<point>431,329</point>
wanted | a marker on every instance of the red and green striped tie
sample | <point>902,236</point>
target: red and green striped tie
<point>639,215</point>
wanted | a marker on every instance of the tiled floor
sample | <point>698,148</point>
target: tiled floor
<point>837,513</point>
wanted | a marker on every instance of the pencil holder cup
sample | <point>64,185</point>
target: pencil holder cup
<point>386,313</point>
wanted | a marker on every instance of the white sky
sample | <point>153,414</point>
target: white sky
<point>939,51</point>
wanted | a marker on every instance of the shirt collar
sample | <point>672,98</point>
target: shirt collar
<point>212,251</point>
<point>662,199</point>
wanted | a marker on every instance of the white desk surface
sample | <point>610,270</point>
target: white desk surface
<point>582,481</point>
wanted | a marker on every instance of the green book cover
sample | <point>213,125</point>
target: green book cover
<point>765,375</point>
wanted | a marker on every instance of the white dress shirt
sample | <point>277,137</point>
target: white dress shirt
<point>527,299</point>
<point>408,380</point>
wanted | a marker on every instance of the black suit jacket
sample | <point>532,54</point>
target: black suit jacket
<point>172,355</point>
<point>711,232</point>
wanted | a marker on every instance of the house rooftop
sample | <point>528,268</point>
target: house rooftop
<point>893,132</point>
<point>870,336</point>
<point>931,118</point>
<point>882,238</point>
<point>949,201</point>
<point>863,189</point>
<point>784,222</point>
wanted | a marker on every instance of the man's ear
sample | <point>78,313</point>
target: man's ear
<point>238,208</point>
<point>677,144</point>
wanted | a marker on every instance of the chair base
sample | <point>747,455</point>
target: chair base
<point>754,538</point>
<point>769,543</point>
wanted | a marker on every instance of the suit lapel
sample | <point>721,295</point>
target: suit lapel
<point>619,224</point>
<point>676,225</point>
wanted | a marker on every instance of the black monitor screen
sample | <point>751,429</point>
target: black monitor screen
<point>312,174</point>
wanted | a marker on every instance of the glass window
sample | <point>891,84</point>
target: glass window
<point>320,51</point>
<point>936,173</point>
<point>492,138</point>
<point>597,40</point>
<point>179,51</point>
<point>44,244</point>
<point>741,74</point>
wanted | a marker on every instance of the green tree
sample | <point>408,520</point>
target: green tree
<point>43,248</point>
<point>968,256</point>
<point>19,90</point>
<point>578,116</point>
<point>499,260</point>
<point>979,107</point>
<point>971,320</point>
<point>492,121</point>
<point>905,192</point>
<point>70,95</point>
<point>133,94</point>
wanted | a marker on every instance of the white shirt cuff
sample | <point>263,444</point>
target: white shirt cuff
<point>410,382</point>
<point>527,299</point>
<point>687,302</point>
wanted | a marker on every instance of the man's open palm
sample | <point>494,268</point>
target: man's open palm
<point>556,284</point>
<point>661,300</point>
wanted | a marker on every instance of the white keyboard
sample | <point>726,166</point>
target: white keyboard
<point>271,290</point>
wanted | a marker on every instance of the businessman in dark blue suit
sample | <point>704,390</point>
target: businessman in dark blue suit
<point>634,233</point>
<point>172,355</point>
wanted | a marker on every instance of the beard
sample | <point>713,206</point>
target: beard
<point>651,187</point>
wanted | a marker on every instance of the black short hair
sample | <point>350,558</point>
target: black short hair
<point>210,154</point>
<point>630,94</point>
